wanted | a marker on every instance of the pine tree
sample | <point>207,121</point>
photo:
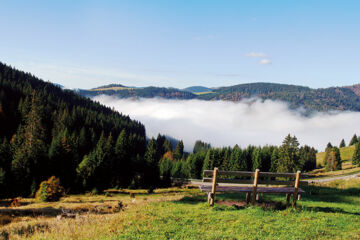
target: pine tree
<point>30,157</point>
<point>288,155</point>
<point>333,160</point>
<point>257,159</point>
<point>209,160</point>
<point>329,145</point>
<point>342,143</point>
<point>151,174</point>
<point>196,162</point>
<point>5,167</point>
<point>307,158</point>
<point>274,159</point>
<point>179,151</point>
<point>165,167</point>
<point>356,156</point>
<point>201,146</point>
<point>122,169</point>
<point>353,140</point>
<point>94,168</point>
<point>167,146</point>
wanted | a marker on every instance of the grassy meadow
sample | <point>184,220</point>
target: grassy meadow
<point>327,211</point>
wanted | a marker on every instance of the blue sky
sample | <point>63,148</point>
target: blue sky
<point>84,44</point>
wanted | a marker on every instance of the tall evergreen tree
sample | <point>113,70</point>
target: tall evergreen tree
<point>288,155</point>
<point>201,146</point>
<point>121,168</point>
<point>353,140</point>
<point>30,157</point>
<point>329,145</point>
<point>307,158</point>
<point>274,159</point>
<point>342,143</point>
<point>5,167</point>
<point>333,160</point>
<point>179,151</point>
<point>356,156</point>
<point>152,173</point>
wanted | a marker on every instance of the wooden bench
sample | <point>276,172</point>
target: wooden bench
<point>266,179</point>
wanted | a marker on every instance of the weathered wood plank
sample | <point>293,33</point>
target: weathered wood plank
<point>260,181</point>
<point>256,178</point>
<point>270,190</point>
<point>213,190</point>
<point>296,188</point>
<point>209,173</point>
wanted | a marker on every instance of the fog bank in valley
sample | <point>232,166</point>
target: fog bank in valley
<point>247,122</point>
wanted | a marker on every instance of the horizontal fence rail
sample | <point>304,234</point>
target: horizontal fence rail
<point>209,173</point>
<point>260,181</point>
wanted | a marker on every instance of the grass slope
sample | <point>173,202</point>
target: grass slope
<point>346,154</point>
<point>330,211</point>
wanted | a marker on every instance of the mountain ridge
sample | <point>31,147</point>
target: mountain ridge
<point>312,99</point>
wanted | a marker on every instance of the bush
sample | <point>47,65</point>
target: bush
<point>50,190</point>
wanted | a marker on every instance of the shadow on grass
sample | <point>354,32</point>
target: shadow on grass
<point>46,211</point>
<point>7,203</point>
<point>328,194</point>
<point>272,202</point>
<point>328,210</point>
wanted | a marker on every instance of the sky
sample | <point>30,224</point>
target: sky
<point>85,44</point>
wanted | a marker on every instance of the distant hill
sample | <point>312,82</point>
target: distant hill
<point>322,99</point>
<point>147,92</point>
<point>198,89</point>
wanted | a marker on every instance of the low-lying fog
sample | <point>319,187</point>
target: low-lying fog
<point>227,123</point>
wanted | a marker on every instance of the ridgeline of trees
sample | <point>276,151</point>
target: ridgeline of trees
<point>289,157</point>
<point>322,99</point>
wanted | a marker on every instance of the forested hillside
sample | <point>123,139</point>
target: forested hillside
<point>148,92</point>
<point>322,99</point>
<point>47,131</point>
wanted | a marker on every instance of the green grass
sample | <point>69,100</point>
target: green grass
<point>327,211</point>
<point>346,154</point>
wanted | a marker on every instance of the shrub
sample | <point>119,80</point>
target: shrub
<point>94,191</point>
<point>50,190</point>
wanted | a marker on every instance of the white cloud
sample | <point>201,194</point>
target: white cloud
<point>227,123</point>
<point>265,61</point>
<point>255,54</point>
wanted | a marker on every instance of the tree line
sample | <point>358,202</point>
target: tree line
<point>289,157</point>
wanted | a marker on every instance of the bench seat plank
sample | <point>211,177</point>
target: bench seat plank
<point>269,190</point>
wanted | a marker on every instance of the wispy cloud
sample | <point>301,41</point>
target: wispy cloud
<point>255,54</point>
<point>265,61</point>
<point>227,123</point>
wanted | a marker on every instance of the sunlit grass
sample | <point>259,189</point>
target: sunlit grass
<point>346,154</point>
<point>327,211</point>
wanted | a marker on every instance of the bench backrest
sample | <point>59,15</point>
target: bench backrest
<point>266,178</point>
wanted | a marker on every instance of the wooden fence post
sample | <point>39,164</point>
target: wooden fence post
<point>296,188</point>
<point>256,178</point>
<point>213,190</point>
